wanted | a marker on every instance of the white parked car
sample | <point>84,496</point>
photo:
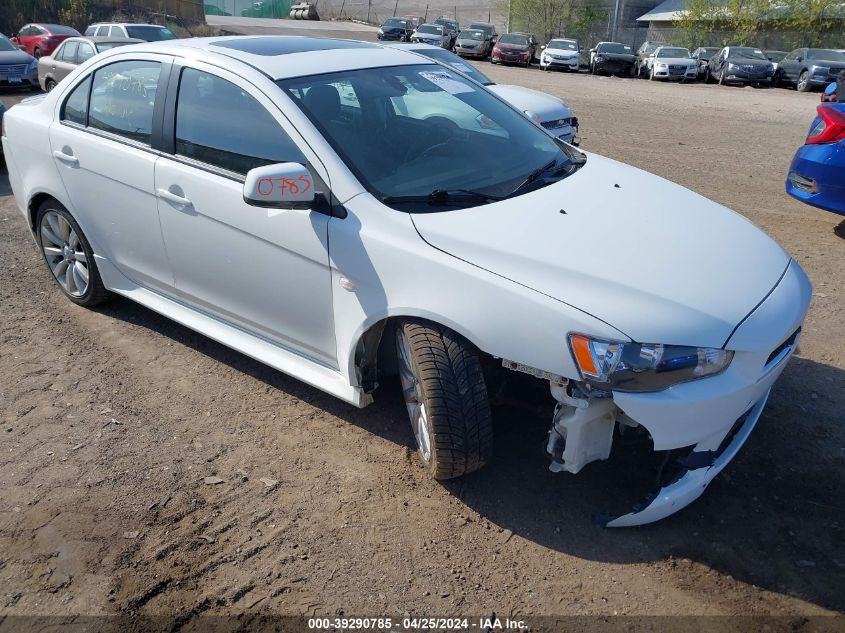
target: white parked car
<point>550,112</point>
<point>146,32</point>
<point>673,62</point>
<point>561,53</point>
<point>339,241</point>
<point>434,34</point>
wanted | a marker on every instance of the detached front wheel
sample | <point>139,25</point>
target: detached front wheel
<point>446,398</point>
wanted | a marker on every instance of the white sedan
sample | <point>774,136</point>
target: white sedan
<point>672,62</point>
<point>227,184</point>
<point>550,112</point>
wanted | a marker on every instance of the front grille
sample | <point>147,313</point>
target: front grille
<point>12,69</point>
<point>786,344</point>
<point>556,123</point>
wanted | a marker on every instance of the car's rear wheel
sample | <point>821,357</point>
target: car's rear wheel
<point>804,82</point>
<point>68,255</point>
<point>446,398</point>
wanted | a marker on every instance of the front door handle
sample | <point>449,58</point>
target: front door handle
<point>174,198</point>
<point>70,159</point>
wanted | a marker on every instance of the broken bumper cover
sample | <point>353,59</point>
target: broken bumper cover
<point>690,484</point>
<point>715,415</point>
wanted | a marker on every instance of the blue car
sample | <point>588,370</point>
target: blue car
<point>817,174</point>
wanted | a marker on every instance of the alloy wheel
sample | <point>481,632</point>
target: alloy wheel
<point>64,253</point>
<point>414,401</point>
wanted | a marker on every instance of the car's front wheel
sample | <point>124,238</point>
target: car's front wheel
<point>804,82</point>
<point>68,255</point>
<point>49,85</point>
<point>446,398</point>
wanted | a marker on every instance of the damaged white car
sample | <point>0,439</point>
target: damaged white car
<point>279,195</point>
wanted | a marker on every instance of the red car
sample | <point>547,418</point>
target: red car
<point>43,39</point>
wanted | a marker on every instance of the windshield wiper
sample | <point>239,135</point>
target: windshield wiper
<point>533,176</point>
<point>443,196</point>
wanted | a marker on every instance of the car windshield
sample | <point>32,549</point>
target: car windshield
<point>471,35</point>
<point>673,52</point>
<point>395,23</point>
<point>450,59</point>
<point>107,46</point>
<point>566,45</point>
<point>775,56</point>
<point>619,49</point>
<point>423,138</point>
<point>707,53</point>
<point>825,54</point>
<point>748,53</point>
<point>510,38</point>
<point>432,30</point>
<point>448,24</point>
<point>149,33</point>
<point>6,44</point>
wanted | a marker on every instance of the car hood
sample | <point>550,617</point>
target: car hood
<point>680,61</point>
<point>15,57</point>
<point>617,57</point>
<point>744,61</point>
<point>827,64</point>
<point>543,105</point>
<point>428,36</point>
<point>658,262</point>
<point>512,47</point>
<point>561,52</point>
<point>468,42</point>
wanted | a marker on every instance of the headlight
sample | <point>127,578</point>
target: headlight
<point>599,58</point>
<point>639,367</point>
<point>32,65</point>
<point>660,65</point>
<point>732,65</point>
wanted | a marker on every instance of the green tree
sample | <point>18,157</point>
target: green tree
<point>550,18</point>
<point>75,14</point>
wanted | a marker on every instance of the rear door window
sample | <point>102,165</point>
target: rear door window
<point>123,97</point>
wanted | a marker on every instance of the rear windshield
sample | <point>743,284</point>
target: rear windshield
<point>58,29</point>
<point>673,52</point>
<point>519,40</point>
<point>566,45</point>
<point>149,33</point>
<point>825,54</point>
<point>107,46</point>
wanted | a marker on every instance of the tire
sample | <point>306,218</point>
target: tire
<point>446,398</point>
<point>708,78</point>
<point>49,85</point>
<point>803,84</point>
<point>62,229</point>
<point>36,53</point>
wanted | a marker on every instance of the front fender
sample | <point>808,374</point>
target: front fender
<point>382,268</point>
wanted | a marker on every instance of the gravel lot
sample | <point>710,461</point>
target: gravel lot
<point>111,419</point>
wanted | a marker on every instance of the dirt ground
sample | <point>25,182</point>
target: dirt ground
<point>111,419</point>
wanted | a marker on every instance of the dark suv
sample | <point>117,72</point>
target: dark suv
<point>396,30</point>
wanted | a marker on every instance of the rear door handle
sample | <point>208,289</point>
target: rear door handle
<point>70,159</point>
<point>165,194</point>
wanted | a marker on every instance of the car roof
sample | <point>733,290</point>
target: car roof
<point>127,24</point>
<point>283,56</point>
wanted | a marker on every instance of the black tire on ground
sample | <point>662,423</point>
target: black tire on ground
<point>49,85</point>
<point>803,84</point>
<point>453,390</point>
<point>36,53</point>
<point>96,291</point>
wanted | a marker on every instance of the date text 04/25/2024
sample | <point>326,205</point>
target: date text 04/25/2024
<point>490,623</point>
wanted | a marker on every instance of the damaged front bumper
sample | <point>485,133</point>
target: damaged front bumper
<point>706,420</point>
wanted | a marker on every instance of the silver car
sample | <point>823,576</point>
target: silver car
<point>72,52</point>
<point>433,34</point>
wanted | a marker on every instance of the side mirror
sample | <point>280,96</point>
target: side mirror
<point>280,186</point>
<point>799,59</point>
